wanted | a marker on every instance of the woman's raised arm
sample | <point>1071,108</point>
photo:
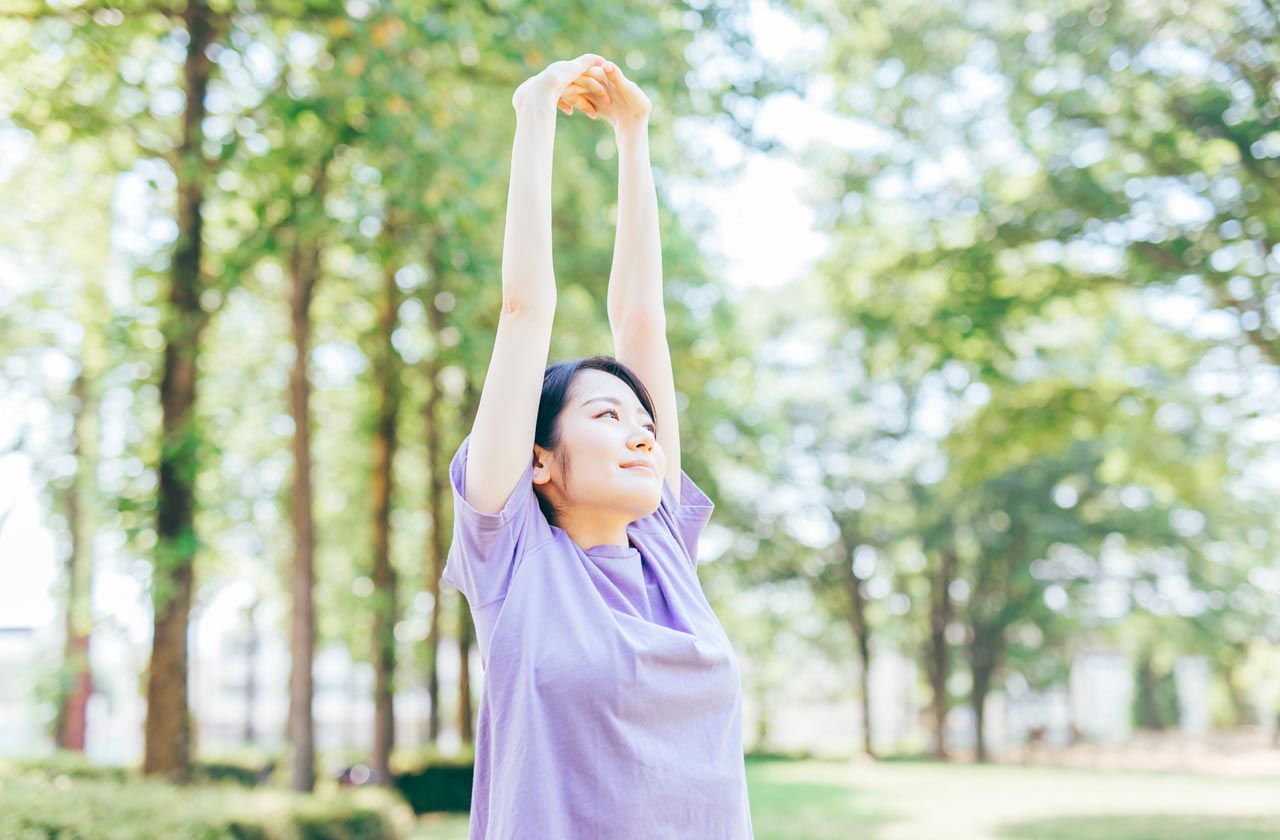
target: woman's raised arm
<point>636,312</point>
<point>502,436</point>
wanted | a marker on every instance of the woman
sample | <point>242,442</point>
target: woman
<point>611,706</point>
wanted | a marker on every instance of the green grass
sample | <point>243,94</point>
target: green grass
<point>1146,828</point>
<point>818,800</point>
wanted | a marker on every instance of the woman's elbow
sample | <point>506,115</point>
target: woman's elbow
<point>639,323</point>
<point>522,305</point>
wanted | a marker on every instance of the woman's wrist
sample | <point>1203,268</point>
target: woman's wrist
<point>632,130</point>
<point>529,108</point>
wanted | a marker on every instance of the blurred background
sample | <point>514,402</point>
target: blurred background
<point>975,314</point>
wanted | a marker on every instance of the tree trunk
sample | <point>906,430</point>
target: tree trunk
<point>437,468</point>
<point>862,635</point>
<point>168,727</point>
<point>71,720</point>
<point>304,266</point>
<point>1241,712</point>
<point>940,616</point>
<point>762,717</point>
<point>982,664</point>
<point>466,630</point>
<point>384,581</point>
<point>466,728</point>
<point>250,733</point>
<point>1147,710</point>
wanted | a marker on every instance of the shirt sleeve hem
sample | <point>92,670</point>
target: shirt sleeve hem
<point>692,500</point>
<point>693,506</point>
<point>511,508</point>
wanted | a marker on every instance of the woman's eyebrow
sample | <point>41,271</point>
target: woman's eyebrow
<point>610,400</point>
<point>614,401</point>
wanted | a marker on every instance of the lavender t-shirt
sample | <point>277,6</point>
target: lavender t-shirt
<point>611,707</point>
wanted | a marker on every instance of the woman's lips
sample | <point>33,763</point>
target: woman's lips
<point>646,467</point>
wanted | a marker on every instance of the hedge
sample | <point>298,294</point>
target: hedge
<point>34,806</point>
<point>433,782</point>
<point>437,788</point>
<point>246,770</point>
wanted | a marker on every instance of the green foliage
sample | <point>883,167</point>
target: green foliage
<point>995,376</point>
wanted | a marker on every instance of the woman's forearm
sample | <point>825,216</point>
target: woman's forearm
<point>528,275</point>
<point>635,282</point>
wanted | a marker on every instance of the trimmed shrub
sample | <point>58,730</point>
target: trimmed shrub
<point>439,784</point>
<point>35,807</point>
<point>73,765</point>
<point>246,773</point>
<point>245,770</point>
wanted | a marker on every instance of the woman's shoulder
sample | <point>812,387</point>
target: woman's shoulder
<point>488,548</point>
<point>675,526</point>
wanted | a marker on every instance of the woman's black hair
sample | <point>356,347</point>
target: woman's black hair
<point>557,381</point>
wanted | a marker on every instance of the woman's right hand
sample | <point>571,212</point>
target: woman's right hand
<point>544,91</point>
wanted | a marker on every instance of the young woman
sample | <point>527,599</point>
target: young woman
<point>611,706</point>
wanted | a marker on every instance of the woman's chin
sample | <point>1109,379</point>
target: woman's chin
<point>637,504</point>
<point>647,505</point>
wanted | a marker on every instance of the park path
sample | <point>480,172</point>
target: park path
<point>961,802</point>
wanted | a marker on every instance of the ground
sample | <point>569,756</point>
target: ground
<point>819,800</point>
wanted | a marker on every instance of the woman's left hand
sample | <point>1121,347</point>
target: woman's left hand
<point>584,92</point>
<point>604,91</point>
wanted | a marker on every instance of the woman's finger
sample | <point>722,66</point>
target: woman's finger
<point>566,71</point>
<point>588,87</point>
<point>576,100</point>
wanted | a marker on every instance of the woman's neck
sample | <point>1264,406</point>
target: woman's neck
<point>589,529</point>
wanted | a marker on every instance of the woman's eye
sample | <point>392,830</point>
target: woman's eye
<point>610,412</point>
<point>651,428</point>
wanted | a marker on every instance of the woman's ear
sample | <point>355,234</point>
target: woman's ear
<point>541,465</point>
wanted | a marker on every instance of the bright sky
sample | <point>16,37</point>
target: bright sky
<point>755,212</point>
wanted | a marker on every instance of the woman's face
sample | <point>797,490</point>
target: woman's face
<point>609,458</point>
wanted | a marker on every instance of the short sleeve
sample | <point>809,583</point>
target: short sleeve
<point>487,547</point>
<point>684,521</point>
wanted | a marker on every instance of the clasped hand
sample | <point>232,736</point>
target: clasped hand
<point>591,84</point>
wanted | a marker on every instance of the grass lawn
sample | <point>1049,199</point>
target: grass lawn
<point>816,800</point>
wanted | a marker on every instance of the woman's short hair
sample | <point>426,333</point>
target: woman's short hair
<point>557,382</point>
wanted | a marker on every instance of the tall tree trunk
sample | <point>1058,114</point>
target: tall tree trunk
<point>384,581</point>
<point>982,663</point>
<point>850,539</point>
<point>71,720</point>
<point>435,547</point>
<point>863,631</point>
<point>1241,712</point>
<point>466,630</point>
<point>1147,710</point>
<point>466,727</point>
<point>762,716</point>
<point>250,733</point>
<point>304,267</point>
<point>168,727</point>
<point>940,615</point>
<point>437,468</point>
